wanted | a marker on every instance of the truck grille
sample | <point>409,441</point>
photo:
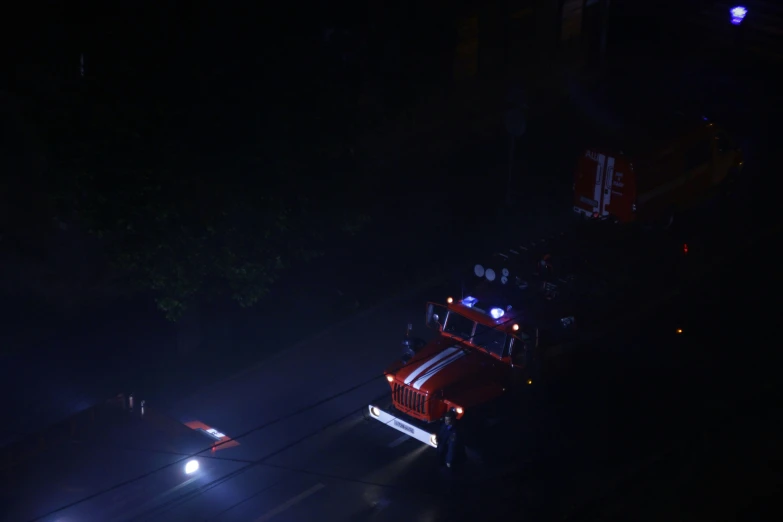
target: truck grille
<point>409,399</point>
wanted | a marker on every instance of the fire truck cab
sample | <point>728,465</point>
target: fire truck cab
<point>654,169</point>
<point>486,347</point>
<point>479,354</point>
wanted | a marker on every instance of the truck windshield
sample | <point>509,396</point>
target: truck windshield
<point>459,326</point>
<point>491,339</point>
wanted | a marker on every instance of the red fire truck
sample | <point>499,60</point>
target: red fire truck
<point>526,305</point>
<point>654,169</point>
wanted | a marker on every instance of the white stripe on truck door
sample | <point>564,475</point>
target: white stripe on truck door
<point>608,188</point>
<point>599,182</point>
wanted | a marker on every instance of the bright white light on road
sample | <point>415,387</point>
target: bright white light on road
<point>191,467</point>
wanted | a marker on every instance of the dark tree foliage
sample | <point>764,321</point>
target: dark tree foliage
<point>199,169</point>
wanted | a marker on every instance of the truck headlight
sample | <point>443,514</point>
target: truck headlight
<point>375,412</point>
<point>191,467</point>
<point>434,439</point>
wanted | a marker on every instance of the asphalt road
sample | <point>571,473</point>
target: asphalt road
<point>603,425</point>
<point>604,422</point>
<point>641,396</point>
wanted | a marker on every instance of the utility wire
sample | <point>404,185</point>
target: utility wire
<point>185,497</point>
<point>302,470</point>
<point>262,462</point>
<point>251,431</point>
<point>255,429</point>
<point>502,473</point>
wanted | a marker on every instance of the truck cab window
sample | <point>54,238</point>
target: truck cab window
<point>491,339</point>
<point>459,326</point>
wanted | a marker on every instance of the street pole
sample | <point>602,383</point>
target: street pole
<point>511,147</point>
<point>604,24</point>
<point>516,124</point>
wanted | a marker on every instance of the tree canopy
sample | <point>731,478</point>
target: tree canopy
<point>202,185</point>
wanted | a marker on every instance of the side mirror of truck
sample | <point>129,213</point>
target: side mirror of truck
<point>410,347</point>
<point>436,314</point>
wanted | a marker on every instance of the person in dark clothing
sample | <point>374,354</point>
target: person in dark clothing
<point>451,448</point>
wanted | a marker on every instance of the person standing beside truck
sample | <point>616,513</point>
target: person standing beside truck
<point>451,447</point>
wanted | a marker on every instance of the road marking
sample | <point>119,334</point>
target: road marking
<point>396,442</point>
<point>290,502</point>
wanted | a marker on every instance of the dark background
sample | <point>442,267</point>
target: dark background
<point>361,110</point>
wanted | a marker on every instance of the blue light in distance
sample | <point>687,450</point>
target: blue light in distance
<point>496,313</point>
<point>738,14</point>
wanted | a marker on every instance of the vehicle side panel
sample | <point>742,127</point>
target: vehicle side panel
<point>604,185</point>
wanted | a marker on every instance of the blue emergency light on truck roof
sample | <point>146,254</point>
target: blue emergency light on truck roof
<point>469,301</point>
<point>496,313</point>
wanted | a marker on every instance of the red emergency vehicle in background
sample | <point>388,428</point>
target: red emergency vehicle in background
<point>649,171</point>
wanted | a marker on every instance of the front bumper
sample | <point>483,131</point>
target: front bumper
<point>403,426</point>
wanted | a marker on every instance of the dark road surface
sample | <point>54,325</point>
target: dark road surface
<point>638,402</point>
